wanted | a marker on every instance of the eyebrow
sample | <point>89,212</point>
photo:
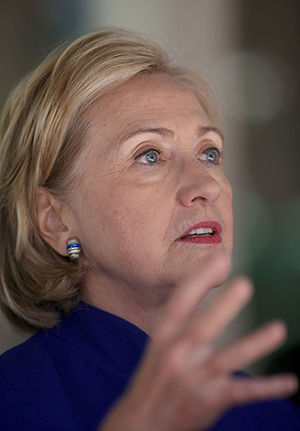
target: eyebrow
<point>168,133</point>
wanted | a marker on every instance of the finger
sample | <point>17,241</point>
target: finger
<point>243,390</point>
<point>190,293</point>
<point>211,322</point>
<point>245,351</point>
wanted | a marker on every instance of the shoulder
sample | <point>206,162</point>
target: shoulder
<point>23,359</point>
<point>31,388</point>
<point>24,370</point>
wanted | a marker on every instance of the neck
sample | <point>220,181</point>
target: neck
<point>122,301</point>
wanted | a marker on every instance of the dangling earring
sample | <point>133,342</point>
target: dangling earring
<point>73,248</point>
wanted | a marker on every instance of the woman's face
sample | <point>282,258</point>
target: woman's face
<point>153,172</point>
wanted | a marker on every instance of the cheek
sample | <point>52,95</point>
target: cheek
<point>136,215</point>
<point>134,232</point>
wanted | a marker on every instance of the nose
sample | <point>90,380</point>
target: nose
<point>200,188</point>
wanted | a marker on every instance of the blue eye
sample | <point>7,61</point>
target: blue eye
<point>150,157</point>
<point>212,155</point>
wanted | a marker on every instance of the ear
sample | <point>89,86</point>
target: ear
<point>51,226</point>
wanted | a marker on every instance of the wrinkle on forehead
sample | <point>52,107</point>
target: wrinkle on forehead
<point>143,103</point>
<point>136,90</point>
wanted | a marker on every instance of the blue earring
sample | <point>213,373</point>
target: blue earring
<point>73,248</point>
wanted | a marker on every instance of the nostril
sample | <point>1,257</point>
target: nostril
<point>201,198</point>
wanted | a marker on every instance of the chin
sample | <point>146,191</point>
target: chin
<point>191,264</point>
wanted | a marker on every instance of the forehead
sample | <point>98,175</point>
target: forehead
<point>146,100</point>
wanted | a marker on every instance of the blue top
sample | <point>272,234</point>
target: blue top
<point>68,377</point>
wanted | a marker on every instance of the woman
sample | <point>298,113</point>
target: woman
<point>116,220</point>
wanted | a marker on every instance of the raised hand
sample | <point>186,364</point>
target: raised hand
<point>184,383</point>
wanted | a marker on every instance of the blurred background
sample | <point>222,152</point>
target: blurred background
<point>249,52</point>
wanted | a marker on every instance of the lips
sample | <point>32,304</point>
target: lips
<point>205,232</point>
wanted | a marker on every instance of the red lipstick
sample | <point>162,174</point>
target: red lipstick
<point>205,232</point>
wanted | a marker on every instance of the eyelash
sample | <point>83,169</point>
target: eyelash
<point>219,155</point>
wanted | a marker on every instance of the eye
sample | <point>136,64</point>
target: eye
<point>149,157</point>
<point>211,155</point>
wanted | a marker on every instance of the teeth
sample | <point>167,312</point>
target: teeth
<point>201,231</point>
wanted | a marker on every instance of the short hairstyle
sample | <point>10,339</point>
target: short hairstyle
<point>41,131</point>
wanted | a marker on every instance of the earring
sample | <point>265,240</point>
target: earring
<point>73,248</point>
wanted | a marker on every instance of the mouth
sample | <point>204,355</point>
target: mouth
<point>206,232</point>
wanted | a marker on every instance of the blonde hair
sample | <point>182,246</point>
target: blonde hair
<point>41,131</point>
